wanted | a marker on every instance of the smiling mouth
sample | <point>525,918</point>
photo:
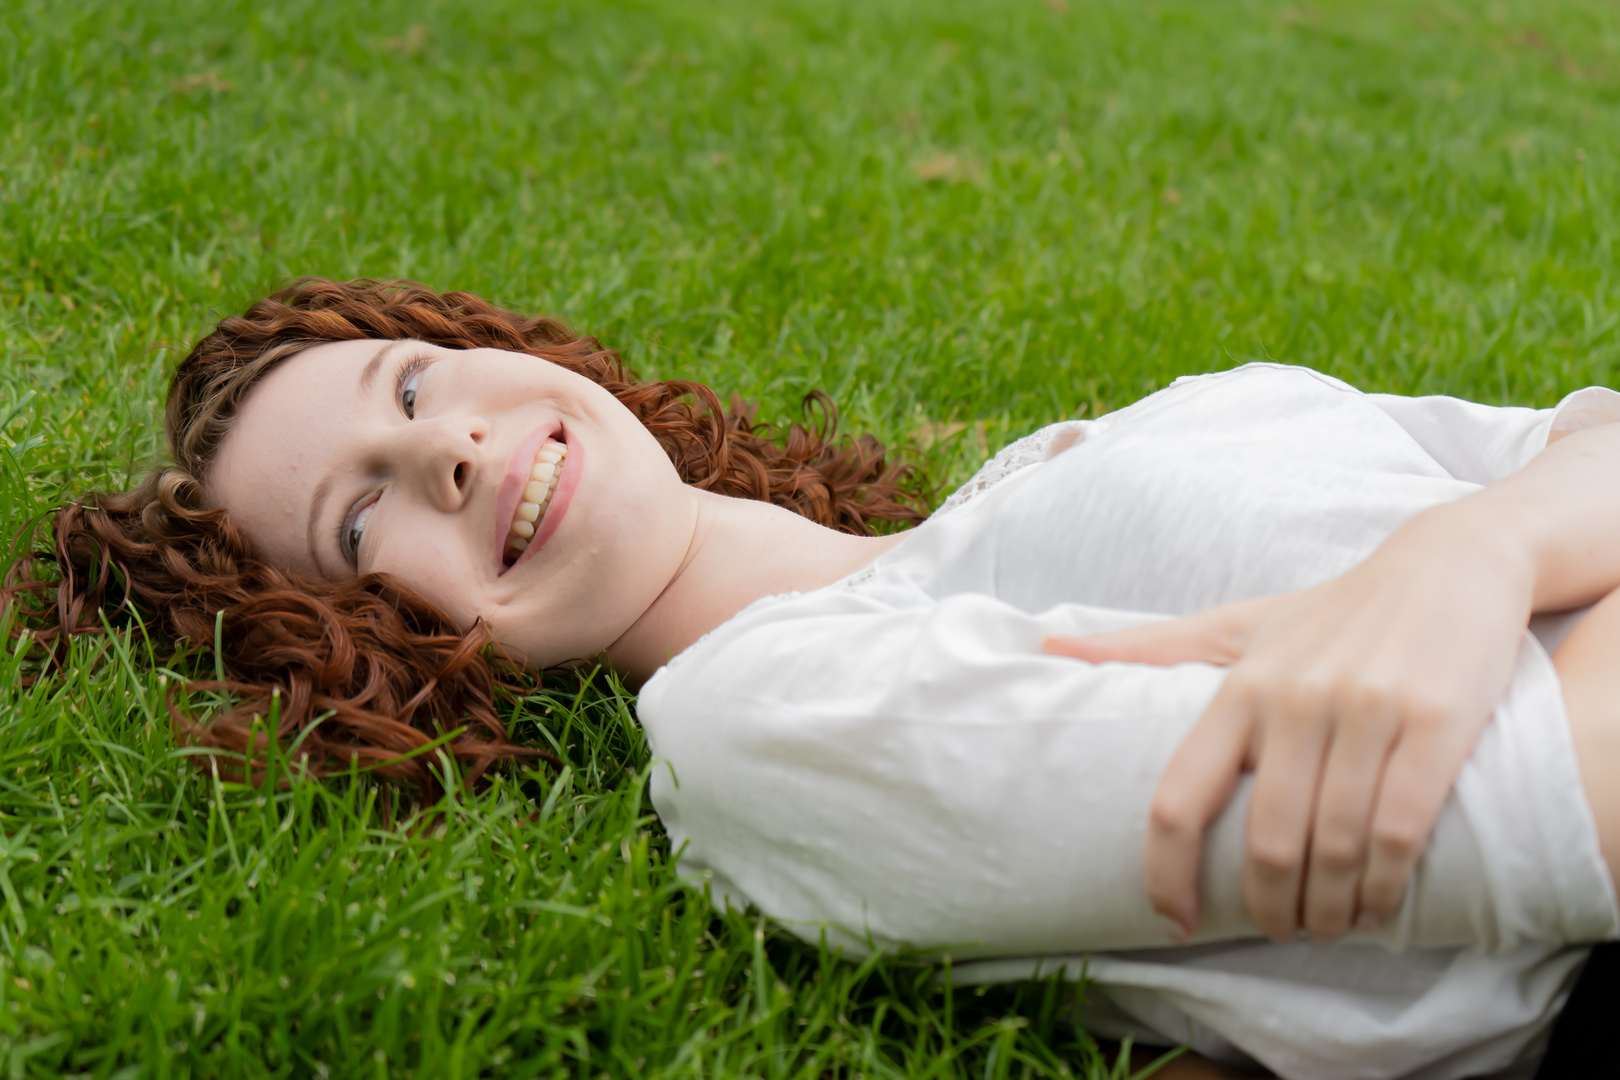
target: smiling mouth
<point>544,476</point>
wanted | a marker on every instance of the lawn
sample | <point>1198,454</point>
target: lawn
<point>962,220</point>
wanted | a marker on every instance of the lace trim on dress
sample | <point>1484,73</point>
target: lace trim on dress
<point>1015,457</point>
<point>861,576</point>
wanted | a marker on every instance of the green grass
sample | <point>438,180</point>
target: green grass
<point>962,219</point>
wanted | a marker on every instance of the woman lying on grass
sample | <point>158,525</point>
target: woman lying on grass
<point>917,741</point>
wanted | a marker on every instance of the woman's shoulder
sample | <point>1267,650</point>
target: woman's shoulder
<point>1216,394</point>
<point>750,648</point>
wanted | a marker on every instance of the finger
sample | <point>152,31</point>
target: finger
<point>1286,777</point>
<point>1422,767</point>
<point>1212,637</point>
<point>1342,822</point>
<point>1161,643</point>
<point>1196,785</point>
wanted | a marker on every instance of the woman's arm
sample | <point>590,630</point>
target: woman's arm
<point>1356,702</point>
<point>1564,510</point>
<point>1588,663</point>
<point>923,778</point>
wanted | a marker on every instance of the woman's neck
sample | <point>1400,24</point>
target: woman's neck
<point>741,550</point>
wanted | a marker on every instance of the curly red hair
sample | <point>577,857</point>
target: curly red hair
<point>393,671</point>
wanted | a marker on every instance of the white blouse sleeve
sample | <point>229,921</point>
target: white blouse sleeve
<point>1483,443</point>
<point>919,778</point>
<point>926,779</point>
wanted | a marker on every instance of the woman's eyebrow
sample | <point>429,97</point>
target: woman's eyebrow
<point>316,503</point>
<point>368,374</point>
<point>323,490</point>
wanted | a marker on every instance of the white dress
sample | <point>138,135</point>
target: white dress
<point>892,763</point>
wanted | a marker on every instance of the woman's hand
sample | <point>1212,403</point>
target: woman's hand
<point>1354,703</point>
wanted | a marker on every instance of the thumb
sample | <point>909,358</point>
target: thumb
<point>1216,636</point>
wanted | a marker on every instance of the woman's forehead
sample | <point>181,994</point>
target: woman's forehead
<point>290,441</point>
<point>305,394</point>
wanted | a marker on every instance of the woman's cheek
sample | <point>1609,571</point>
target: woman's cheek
<point>437,572</point>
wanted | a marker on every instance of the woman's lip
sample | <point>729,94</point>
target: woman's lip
<point>566,483</point>
<point>512,484</point>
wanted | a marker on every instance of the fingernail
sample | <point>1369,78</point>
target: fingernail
<point>1367,922</point>
<point>1177,931</point>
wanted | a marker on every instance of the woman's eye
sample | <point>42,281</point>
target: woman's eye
<point>407,394</point>
<point>356,532</point>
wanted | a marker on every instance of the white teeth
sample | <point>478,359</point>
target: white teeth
<point>545,473</point>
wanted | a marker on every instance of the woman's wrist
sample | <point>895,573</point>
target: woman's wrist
<point>1562,512</point>
<point>1496,553</point>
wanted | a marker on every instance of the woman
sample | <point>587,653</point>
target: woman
<point>862,732</point>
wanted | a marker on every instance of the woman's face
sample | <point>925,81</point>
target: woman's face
<point>413,460</point>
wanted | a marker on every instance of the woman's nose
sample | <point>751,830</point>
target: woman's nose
<point>441,459</point>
